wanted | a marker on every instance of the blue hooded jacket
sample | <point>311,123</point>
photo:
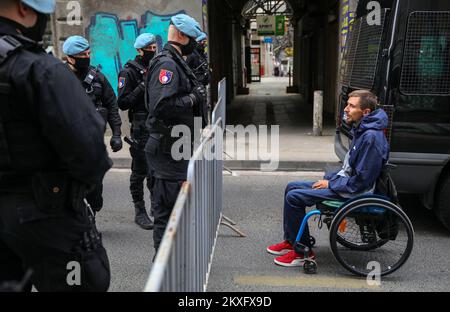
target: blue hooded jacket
<point>368,154</point>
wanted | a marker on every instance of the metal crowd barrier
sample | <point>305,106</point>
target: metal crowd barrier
<point>220,109</point>
<point>184,258</point>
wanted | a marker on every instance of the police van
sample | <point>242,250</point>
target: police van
<point>402,54</point>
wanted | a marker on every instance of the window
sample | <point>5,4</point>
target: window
<point>360,62</point>
<point>426,60</point>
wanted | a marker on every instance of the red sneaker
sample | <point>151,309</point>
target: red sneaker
<point>293,259</point>
<point>280,249</point>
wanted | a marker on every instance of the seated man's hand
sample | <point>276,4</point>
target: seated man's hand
<point>321,185</point>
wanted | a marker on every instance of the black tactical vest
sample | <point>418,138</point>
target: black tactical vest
<point>22,147</point>
<point>94,90</point>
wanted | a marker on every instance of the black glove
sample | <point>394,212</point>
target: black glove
<point>116,143</point>
<point>199,95</point>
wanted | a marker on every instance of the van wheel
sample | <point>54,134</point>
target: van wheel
<point>442,209</point>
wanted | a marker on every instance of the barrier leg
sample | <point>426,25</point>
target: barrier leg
<point>231,224</point>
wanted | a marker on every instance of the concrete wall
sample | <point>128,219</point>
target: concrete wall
<point>113,25</point>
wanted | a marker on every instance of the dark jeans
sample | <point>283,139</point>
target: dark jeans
<point>298,196</point>
<point>139,173</point>
<point>47,242</point>
<point>95,198</point>
<point>165,194</point>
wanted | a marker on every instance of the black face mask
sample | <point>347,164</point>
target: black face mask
<point>201,48</point>
<point>82,64</point>
<point>188,48</point>
<point>147,57</point>
<point>36,32</point>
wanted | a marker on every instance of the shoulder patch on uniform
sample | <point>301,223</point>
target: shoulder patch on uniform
<point>122,81</point>
<point>165,76</point>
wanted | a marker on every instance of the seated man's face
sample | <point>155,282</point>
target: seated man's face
<point>353,110</point>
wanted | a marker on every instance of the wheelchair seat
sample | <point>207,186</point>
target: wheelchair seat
<point>335,206</point>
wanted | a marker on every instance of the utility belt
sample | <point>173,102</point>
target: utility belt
<point>53,191</point>
<point>139,130</point>
<point>161,136</point>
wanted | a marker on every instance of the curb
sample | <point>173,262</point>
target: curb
<point>233,165</point>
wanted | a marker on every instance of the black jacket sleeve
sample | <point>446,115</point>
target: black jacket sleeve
<point>130,92</point>
<point>71,124</point>
<point>109,101</point>
<point>165,99</point>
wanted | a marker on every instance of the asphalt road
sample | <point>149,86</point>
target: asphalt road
<point>242,265</point>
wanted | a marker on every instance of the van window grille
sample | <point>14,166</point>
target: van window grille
<point>360,62</point>
<point>426,60</point>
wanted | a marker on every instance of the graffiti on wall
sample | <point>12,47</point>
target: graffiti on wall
<point>112,39</point>
<point>205,13</point>
<point>347,20</point>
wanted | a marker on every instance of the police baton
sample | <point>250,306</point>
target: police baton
<point>131,142</point>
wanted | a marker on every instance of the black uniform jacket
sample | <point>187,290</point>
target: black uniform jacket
<point>168,89</point>
<point>105,93</point>
<point>62,119</point>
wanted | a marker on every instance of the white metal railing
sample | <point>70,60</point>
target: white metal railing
<point>184,258</point>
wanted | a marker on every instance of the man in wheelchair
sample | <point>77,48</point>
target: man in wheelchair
<point>368,154</point>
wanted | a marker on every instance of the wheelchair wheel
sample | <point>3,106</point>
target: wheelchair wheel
<point>364,245</point>
<point>374,233</point>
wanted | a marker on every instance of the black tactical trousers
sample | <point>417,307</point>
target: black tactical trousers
<point>48,243</point>
<point>139,174</point>
<point>95,198</point>
<point>165,194</point>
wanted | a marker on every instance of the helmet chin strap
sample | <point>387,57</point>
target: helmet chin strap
<point>175,43</point>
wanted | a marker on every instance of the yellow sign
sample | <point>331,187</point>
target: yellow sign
<point>289,52</point>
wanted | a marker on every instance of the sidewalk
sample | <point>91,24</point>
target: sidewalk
<point>268,104</point>
<point>298,152</point>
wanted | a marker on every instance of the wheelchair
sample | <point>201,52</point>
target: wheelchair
<point>367,233</point>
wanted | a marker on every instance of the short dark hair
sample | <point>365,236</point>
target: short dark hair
<point>368,100</point>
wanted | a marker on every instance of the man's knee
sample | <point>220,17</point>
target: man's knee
<point>291,186</point>
<point>295,199</point>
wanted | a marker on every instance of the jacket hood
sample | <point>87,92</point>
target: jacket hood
<point>377,120</point>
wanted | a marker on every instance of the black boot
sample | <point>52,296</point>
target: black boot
<point>142,218</point>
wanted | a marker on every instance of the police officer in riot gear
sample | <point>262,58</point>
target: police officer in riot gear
<point>198,61</point>
<point>102,95</point>
<point>132,99</point>
<point>174,97</point>
<point>51,154</point>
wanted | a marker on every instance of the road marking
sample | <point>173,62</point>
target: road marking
<point>306,282</point>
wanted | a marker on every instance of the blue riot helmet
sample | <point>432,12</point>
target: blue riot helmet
<point>189,27</point>
<point>202,37</point>
<point>41,6</point>
<point>75,45</point>
<point>144,41</point>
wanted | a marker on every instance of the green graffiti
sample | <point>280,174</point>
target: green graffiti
<point>112,39</point>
